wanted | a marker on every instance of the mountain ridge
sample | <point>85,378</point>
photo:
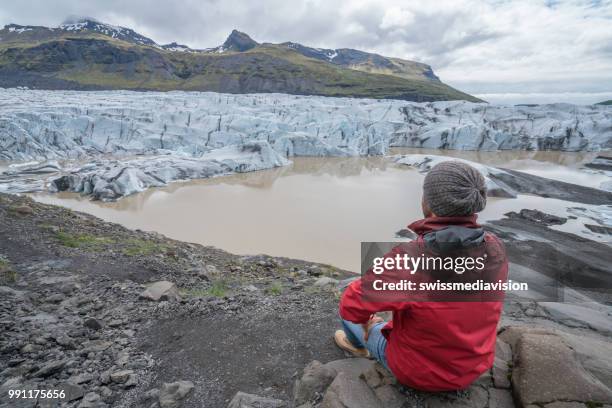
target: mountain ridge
<point>88,54</point>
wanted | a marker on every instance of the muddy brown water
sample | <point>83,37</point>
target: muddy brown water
<point>318,209</point>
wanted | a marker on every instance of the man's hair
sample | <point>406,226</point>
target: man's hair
<point>454,188</point>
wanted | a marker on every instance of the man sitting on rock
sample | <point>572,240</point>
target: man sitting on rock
<point>437,345</point>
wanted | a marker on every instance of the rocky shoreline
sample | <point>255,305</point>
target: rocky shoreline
<point>79,313</point>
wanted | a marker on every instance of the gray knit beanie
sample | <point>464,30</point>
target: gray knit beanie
<point>454,188</point>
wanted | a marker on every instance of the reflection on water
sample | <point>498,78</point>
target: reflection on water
<point>318,209</point>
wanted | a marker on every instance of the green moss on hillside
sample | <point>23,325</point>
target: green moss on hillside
<point>97,62</point>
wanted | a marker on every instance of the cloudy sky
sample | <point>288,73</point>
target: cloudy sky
<point>512,51</point>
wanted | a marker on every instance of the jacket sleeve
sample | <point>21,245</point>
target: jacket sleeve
<point>359,301</point>
<point>355,309</point>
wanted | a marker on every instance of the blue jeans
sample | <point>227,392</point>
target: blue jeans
<point>376,345</point>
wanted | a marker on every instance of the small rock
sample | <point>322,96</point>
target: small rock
<point>208,272</point>
<point>92,324</point>
<point>72,391</point>
<point>538,217</point>
<point>161,291</point>
<point>121,376</point>
<point>91,400</point>
<point>106,392</point>
<point>325,281</point>
<point>105,377</point>
<point>315,380</point>
<point>314,270</point>
<point>132,381</point>
<point>50,368</point>
<point>115,323</point>
<point>171,395</point>
<point>95,346</point>
<point>28,348</point>
<point>122,359</point>
<point>15,361</point>
<point>65,341</point>
<point>243,400</point>
<point>81,378</point>
<point>55,298</point>
<point>23,209</point>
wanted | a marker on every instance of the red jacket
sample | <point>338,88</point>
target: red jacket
<point>435,346</point>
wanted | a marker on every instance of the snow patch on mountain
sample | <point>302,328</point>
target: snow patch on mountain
<point>18,29</point>
<point>122,33</point>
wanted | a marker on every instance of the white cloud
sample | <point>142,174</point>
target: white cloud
<point>478,46</point>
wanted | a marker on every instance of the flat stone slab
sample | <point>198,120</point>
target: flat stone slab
<point>244,400</point>
<point>589,317</point>
<point>351,367</point>
<point>346,391</point>
<point>546,370</point>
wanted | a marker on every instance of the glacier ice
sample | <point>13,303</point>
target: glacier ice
<point>110,180</point>
<point>135,140</point>
<point>68,124</point>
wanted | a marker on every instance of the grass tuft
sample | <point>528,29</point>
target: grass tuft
<point>194,292</point>
<point>135,247</point>
<point>82,240</point>
<point>7,274</point>
<point>275,289</point>
<point>218,289</point>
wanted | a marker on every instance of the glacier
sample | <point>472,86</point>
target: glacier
<point>113,143</point>
<point>110,180</point>
<point>38,124</point>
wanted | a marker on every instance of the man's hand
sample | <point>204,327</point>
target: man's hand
<point>367,326</point>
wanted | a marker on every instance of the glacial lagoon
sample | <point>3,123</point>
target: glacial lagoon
<point>320,209</point>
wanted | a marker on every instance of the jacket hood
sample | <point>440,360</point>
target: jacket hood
<point>444,234</point>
